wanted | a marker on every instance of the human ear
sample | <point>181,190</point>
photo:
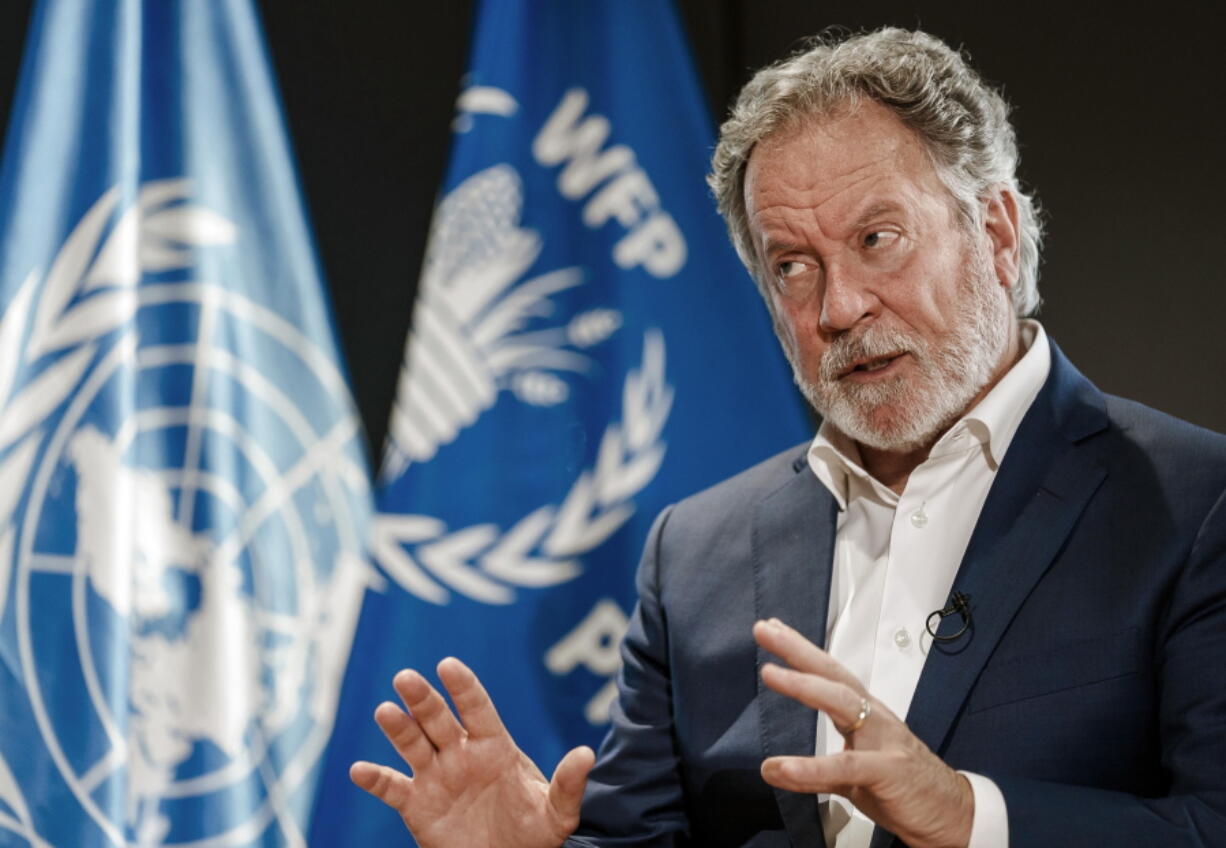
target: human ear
<point>1000,224</point>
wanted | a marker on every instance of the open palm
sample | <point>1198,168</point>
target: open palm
<point>472,786</point>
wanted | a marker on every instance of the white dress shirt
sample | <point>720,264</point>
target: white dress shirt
<point>895,558</point>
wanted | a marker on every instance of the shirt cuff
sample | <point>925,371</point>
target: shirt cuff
<point>990,822</point>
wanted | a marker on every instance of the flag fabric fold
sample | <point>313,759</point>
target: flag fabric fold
<point>184,498</point>
<point>585,350</point>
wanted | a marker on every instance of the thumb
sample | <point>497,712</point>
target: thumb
<point>569,780</point>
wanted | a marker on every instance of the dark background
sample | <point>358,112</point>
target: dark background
<point>1119,113</point>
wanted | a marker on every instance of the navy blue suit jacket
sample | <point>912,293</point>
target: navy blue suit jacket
<point>1091,687</point>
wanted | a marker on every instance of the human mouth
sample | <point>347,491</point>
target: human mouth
<point>873,367</point>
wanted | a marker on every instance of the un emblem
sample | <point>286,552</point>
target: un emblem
<point>185,545</point>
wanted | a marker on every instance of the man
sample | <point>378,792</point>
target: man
<point>1032,573</point>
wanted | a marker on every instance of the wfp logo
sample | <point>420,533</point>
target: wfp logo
<point>484,329</point>
<point>180,521</point>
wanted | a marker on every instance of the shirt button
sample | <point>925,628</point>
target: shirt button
<point>901,637</point>
<point>918,519</point>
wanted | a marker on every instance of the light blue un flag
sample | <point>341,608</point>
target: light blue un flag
<point>586,349</point>
<point>183,497</point>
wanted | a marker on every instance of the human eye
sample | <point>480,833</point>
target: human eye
<point>879,239</point>
<point>794,278</point>
<point>787,270</point>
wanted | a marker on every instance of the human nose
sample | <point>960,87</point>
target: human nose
<point>847,299</point>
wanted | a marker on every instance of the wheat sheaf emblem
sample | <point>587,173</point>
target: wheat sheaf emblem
<point>468,344</point>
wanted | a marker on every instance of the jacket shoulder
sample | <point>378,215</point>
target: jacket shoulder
<point>716,521</point>
<point>752,484</point>
<point>1162,463</point>
<point>1169,440</point>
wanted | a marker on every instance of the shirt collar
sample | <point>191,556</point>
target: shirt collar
<point>991,423</point>
<point>995,419</point>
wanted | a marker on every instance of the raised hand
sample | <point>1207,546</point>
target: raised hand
<point>472,787</point>
<point>885,770</point>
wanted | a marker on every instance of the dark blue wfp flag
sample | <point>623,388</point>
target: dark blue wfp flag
<point>585,350</point>
<point>183,498</point>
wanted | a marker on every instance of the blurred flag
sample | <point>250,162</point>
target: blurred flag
<point>586,349</point>
<point>183,496</point>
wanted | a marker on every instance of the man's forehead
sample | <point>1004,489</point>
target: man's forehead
<point>865,156</point>
<point>842,142</point>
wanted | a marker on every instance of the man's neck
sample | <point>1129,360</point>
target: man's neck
<point>893,468</point>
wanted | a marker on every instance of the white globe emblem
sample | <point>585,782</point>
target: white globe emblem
<point>210,593</point>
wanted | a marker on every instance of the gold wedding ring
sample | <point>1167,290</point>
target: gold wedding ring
<point>866,710</point>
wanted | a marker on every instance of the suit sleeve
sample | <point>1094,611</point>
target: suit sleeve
<point>1192,676</point>
<point>634,795</point>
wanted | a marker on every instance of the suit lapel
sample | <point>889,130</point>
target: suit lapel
<point>793,542</point>
<point>1040,491</point>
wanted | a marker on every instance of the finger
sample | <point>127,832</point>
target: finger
<point>388,785</point>
<point>405,735</point>
<point>839,701</point>
<point>836,773</point>
<point>569,779</point>
<point>472,702</point>
<point>798,652</point>
<point>429,709</point>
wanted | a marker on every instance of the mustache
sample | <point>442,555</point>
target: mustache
<point>875,342</point>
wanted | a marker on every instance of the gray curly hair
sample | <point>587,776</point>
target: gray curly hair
<point>961,121</point>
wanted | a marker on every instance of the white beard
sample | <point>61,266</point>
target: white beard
<point>913,411</point>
